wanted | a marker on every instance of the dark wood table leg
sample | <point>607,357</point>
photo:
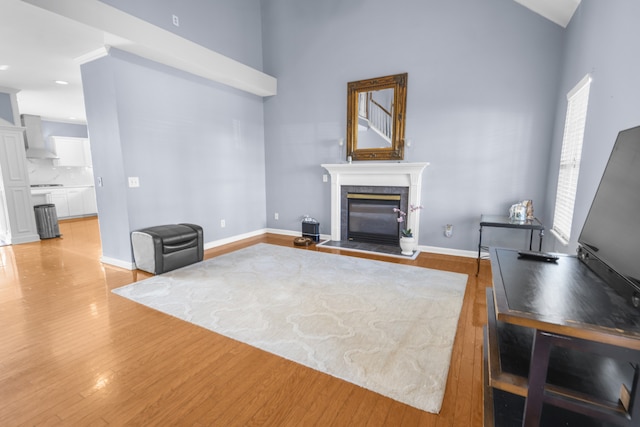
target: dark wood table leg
<point>540,234</point>
<point>530,239</point>
<point>537,379</point>
<point>479,249</point>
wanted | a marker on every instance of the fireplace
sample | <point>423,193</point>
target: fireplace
<point>368,216</point>
<point>374,178</point>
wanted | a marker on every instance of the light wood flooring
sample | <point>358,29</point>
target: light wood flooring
<point>74,354</point>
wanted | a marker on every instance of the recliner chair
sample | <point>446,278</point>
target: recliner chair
<point>164,248</point>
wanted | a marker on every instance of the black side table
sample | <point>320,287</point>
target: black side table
<point>501,221</point>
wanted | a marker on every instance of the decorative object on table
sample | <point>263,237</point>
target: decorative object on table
<point>407,241</point>
<point>529,205</point>
<point>387,327</point>
<point>518,212</point>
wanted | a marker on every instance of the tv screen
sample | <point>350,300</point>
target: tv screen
<point>611,232</point>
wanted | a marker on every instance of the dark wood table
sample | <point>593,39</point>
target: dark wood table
<point>500,221</point>
<point>560,337</point>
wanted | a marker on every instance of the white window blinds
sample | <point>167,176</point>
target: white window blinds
<point>578,101</point>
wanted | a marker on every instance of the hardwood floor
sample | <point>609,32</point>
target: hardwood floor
<point>74,354</point>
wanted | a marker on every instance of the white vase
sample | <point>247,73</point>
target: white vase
<point>408,245</point>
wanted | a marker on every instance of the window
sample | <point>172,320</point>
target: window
<point>578,100</point>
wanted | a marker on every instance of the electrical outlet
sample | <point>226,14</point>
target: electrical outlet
<point>134,181</point>
<point>176,21</point>
<point>448,230</point>
<point>223,224</point>
<point>276,216</point>
<point>325,178</point>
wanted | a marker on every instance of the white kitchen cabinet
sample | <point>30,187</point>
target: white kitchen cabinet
<point>70,202</point>
<point>72,151</point>
<point>82,201</point>
<point>75,201</point>
<point>59,198</point>
<point>89,201</point>
<point>39,199</point>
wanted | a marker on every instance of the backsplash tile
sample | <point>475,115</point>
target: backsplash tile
<point>42,171</point>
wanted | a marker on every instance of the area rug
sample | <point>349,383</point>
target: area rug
<point>383,326</point>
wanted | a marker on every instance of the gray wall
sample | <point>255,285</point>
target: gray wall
<point>6,110</point>
<point>196,146</point>
<point>101,104</point>
<point>486,102</point>
<point>482,91</point>
<point>232,28</point>
<point>603,39</point>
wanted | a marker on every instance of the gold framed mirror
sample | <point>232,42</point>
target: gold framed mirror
<point>375,118</point>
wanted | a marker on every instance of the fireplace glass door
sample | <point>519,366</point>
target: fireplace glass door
<point>371,218</point>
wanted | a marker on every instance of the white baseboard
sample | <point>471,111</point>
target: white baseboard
<point>118,263</point>
<point>233,239</point>
<point>283,232</point>
<point>294,233</point>
<point>132,265</point>
<point>448,251</point>
<point>27,238</point>
<point>216,243</point>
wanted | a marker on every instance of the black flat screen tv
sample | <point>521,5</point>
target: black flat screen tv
<point>609,242</point>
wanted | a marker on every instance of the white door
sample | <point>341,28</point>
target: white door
<point>5,230</point>
<point>15,180</point>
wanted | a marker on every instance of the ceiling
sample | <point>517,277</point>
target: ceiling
<point>39,47</point>
<point>558,11</point>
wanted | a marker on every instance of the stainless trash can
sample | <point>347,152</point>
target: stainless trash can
<point>47,221</point>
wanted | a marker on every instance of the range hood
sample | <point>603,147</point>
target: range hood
<point>33,141</point>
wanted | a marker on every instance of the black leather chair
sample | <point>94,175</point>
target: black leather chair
<point>164,248</point>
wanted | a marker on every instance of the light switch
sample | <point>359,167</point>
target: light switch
<point>134,181</point>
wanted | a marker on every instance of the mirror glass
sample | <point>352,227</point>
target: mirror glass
<point>375,118</point>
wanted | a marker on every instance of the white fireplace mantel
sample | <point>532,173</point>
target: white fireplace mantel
<point>376,174</point>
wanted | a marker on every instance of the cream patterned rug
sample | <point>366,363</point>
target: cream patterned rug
<point>386,327</point>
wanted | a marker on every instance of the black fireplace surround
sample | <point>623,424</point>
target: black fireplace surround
<point>366,213</point>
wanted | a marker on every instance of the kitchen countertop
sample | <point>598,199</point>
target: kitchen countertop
<point>49,189</point>
<point>54,186</point>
